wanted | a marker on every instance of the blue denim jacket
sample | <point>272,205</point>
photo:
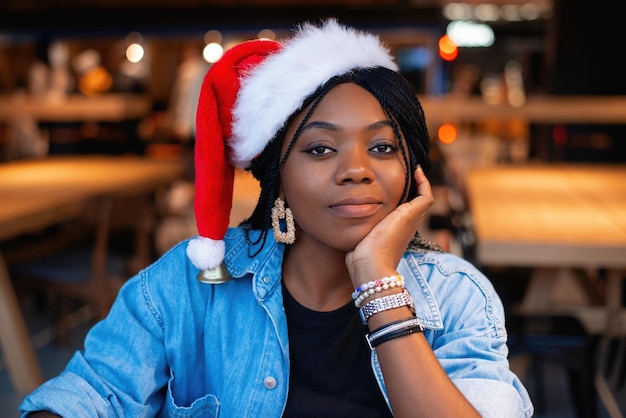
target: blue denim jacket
<point>174,347</point>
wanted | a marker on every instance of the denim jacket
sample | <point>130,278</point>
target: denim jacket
<point>174,347</point>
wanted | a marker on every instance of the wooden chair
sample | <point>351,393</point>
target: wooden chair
<point>610,379</point>
<point>93,271</point>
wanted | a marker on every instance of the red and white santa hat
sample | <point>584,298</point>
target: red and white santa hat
<point>247,97</point>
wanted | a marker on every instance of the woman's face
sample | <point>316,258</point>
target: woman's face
<point>345,172</point>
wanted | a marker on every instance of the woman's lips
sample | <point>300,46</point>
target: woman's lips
<point>356,207</point>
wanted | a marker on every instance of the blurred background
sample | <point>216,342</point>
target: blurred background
<point>505,84</point>
<point>504,52</point>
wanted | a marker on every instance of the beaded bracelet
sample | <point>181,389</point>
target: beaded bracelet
<point>394,330</point>
<point>368,289</point>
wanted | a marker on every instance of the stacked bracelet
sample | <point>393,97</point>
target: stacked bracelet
<point>396,300</point>
<point>394,330</point>
<point>368,289</point>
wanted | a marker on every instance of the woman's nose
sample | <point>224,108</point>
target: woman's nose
<point>354,166</point>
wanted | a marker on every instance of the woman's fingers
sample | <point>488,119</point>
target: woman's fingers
<point>423,185</point>
<point>422,203</point>
<point>415,211</point>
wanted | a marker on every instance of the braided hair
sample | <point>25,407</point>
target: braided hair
<point>399,102</point>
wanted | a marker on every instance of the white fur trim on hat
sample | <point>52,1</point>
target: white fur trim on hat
<point>277,87</point>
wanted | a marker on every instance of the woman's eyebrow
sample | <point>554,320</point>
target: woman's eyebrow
<point>333,127</point>
<point>320,125</point>
<point>380,124</point>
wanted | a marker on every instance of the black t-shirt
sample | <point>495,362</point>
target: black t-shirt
<point>331,373</point>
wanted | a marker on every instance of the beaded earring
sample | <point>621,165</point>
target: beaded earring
<point>280,212</point>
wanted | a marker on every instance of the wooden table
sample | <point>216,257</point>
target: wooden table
<point>564,221</point>
<point>557,215</point>
<point>38,193</point>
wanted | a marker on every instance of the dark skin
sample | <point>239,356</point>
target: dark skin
<point>343,180</point>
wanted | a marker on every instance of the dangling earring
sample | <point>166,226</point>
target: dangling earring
<point>279,212</point>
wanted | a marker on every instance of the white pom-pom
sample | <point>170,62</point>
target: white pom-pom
<point>206,253</point>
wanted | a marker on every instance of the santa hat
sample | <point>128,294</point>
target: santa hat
<point>247,97</point>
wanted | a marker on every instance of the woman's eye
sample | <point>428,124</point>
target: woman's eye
<point>384,148</point>
<point>319,150</point>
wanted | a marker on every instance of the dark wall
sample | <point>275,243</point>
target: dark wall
<point>587,44</point>
<point>583,57</point>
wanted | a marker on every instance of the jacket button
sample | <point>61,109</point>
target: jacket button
<point>269,382</point>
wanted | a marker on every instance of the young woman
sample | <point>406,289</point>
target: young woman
<point>332,304</point>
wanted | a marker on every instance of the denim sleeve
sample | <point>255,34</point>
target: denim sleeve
<point>103,380</point>
<point>472,343</point>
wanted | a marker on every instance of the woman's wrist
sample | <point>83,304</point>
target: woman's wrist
<point>366,274</point>
<point>385,317</point>
<point>393,330</point>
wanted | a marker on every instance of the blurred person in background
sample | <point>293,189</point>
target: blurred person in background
<point>185,94</point>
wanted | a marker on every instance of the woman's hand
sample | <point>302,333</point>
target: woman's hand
<point>379,253</point>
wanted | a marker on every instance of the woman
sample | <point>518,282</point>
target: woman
<point>333,304</point>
